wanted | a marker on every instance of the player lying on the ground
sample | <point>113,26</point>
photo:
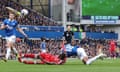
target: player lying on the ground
<point>73,50</point>
<point>46,58</point>
<point>42,58</point>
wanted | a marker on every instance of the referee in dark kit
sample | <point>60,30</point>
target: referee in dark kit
<point>68,35</point>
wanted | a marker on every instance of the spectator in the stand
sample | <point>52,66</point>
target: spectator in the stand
<point>112,31</point>
<point>68,35</point>
<point>98,29</point>
<point>74,28</point>
<point>112,49</point>
<point>80,29</point>
<point>99,46</point>
<point>69,16</point>
<point>43,45</point>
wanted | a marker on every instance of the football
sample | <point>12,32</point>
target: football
<point>24,12</point>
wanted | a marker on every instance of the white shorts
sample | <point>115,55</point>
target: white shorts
<point>11,39</point>
<point>81,53</point>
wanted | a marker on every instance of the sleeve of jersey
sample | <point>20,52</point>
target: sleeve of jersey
<point>5,22</point>
<point>17,25</point>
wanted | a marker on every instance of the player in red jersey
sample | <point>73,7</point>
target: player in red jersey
<point>42,58</point>
<point>112,48</point>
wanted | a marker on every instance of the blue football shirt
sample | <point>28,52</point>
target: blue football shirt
<point>11,27</point>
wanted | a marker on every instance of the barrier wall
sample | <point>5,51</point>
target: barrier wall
<point>58,35</point>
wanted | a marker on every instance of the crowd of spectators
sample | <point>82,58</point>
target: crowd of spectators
<point>83,28</point>
<point>98,29</point>
<point>92,45</point>
<point>33,46</point>
<point>33,18</point>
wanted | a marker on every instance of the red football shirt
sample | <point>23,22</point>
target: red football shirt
<point>49,58</point>
<point>112,46</point>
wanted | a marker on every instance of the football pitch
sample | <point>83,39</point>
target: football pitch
<point>72,65</point>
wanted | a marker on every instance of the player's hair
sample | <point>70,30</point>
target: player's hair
<point>43,38</point>
<point>10,12</point>
<point>62,56</point>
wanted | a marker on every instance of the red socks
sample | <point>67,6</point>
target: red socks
<point>29,62</point>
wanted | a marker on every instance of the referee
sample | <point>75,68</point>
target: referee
<point>68,35</point>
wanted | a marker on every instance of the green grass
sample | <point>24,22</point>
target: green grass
<point>72,65</point>
<point>101,7</point>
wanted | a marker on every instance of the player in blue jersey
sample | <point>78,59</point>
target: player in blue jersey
<point>74,50</point>
<point>10,25</point>
<point>43,45</point>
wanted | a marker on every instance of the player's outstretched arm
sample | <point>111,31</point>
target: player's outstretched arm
<point>22,32</point>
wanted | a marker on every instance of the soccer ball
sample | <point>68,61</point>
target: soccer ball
<point>24,12</point>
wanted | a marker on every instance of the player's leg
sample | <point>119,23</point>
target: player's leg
<point>25,57</point>
<point>10,44</point>
<point>15,50</point>
<point>89,61</point>
<point>8,50</point>
<point>83,56</point>
<point>99,50</point>
<point>29,61</point>
<point>13,40</point>
<point>33,62</point>
<point>25,60</point>
<point>113,54</point>
<point>2,57</point>
<point>29,55</point>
